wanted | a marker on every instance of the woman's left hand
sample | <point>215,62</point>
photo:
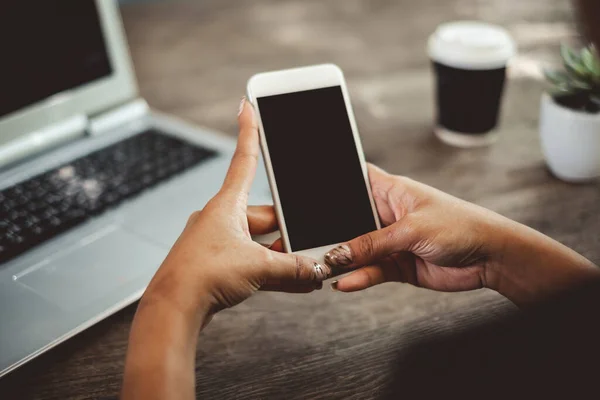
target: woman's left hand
<point>215,263</point>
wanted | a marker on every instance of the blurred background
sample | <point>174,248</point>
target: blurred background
<point>191,56</point>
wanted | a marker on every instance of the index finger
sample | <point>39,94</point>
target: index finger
<point>245,158</point>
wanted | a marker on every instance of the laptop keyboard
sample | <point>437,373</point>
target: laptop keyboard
<point>46,205</point>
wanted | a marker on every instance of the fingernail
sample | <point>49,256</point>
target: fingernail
<point>319,286</point>
<point>333,286</point>
<point>341,256</point>
<point>241,107</point>
<point>322,272</point>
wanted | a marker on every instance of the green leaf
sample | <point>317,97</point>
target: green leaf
<point>558,92</point>
<point>590,61</point>
<point>564,81</point>
<point>573,63</point>
<point>580,84</point>
<point>556,77</point>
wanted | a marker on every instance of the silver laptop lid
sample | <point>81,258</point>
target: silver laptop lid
<point>60,59</point>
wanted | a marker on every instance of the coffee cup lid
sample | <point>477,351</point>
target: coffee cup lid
<point>471,45</point>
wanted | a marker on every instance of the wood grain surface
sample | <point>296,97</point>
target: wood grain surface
<point>193,59</point>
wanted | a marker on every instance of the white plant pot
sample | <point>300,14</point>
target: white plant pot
<point>570,141</point>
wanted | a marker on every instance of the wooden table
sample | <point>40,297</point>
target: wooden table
<point>193,59</point>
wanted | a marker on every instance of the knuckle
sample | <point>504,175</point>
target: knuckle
<point>297,267</point>
<point>266,256</point>
<point>366,244</point>
<point>193,217</point>
<point>287,266</point>
<point>408,228</point>
<point>301,270</point>
<point>391,235</point>
<point>215,202</point>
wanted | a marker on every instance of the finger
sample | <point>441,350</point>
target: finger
<point>262,220</point>
<point>290,287</point>
<point>245,158</point>
<point>294,268</point>
<point>373,246</point>
<point>376,172</point>
<point>277,246</point>
<point>379,178</point>
<point>397,268</point>
<point>360,279</point>
<point>381,186</point>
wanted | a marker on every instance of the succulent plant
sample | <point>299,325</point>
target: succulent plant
<point>578,86</point>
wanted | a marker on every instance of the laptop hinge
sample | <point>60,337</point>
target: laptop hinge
<point>43,139</point>
<point>109,120</point>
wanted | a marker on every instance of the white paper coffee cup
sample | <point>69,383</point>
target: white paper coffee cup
<point>469,60</point>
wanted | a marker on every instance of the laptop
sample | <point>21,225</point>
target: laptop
<point>95,186</point>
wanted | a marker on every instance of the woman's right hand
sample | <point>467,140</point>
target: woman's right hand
<point>433,240</point>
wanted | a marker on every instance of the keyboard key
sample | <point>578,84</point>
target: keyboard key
<point>46,205</point>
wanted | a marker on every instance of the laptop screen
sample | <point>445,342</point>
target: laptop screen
<point>48,47</point>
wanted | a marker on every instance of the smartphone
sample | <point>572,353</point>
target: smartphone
<point>313,158</point>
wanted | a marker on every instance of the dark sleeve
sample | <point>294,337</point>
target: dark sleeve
<point>552,351</point>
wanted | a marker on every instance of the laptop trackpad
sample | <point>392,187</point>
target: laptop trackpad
<point>98,266</point>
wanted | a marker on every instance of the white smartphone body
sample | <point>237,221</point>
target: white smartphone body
<point>313,158</point>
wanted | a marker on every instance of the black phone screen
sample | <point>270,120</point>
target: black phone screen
<point>317,171</point>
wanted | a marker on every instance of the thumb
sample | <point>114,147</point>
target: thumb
<point>293,267</point>
<point>372,247</point>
